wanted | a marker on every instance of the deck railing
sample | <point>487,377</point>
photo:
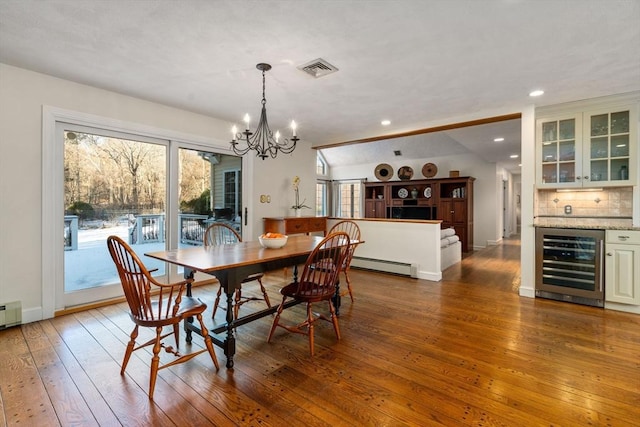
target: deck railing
<point>148,228</point>
<point>192,228</point>
<point>70,232</point>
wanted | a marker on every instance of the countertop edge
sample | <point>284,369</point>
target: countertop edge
<point>588,227</point>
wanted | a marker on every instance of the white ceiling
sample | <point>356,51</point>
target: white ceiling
<point>414,62</point>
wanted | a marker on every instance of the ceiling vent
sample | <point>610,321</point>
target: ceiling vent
<point>318,68</point>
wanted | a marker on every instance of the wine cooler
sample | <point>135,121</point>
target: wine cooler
<point>569,265</point>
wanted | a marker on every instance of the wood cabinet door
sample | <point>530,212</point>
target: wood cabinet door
<point>375,209</point>
<point>453,211</point>
<point>459,215</point>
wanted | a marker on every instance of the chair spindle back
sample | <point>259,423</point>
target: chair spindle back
<point>352,229</point>
<point>136,283</point>
<point>220,234</point>
<point>323,265</point>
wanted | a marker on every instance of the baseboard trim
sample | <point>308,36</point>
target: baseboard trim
<point>111,301</point>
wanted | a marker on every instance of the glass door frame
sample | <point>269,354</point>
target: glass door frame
<point>111,290</point>
<point>52,250</point>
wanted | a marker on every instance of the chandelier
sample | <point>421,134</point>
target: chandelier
<point>263,141</point>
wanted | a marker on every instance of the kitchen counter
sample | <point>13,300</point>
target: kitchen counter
<point>586,222</point>
<point>587,226</point>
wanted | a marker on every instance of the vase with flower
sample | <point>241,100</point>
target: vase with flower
<point>297,207</point>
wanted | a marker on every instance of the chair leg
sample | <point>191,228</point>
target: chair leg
<point>346,275</point>
<point>207,342</point>
<point>276,319</point>
<point>215,304</point>
<point>334,319</point>
<point>176,334</point>
<point>348,280</point>
<point>239,301</point>
<point>155,362</point>
<point>129,350</point>
<point>310,327</point>
<point>264,293</point>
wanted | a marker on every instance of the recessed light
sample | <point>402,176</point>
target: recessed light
<point>514,156</point>
<point>498,139</point>
<point>385,122</point>
<point>536,93</point>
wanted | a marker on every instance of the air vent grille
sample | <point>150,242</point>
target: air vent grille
<point>318,68</point>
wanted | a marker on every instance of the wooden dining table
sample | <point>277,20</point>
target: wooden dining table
<point>230,264</point>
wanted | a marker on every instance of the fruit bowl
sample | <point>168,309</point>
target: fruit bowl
<point>273,240</point>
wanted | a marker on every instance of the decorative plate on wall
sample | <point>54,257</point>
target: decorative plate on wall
<point>429,170</point>
<point>427,192</point>
<point>403,193</point>
<point>405,173</point>
<point>383,172</point>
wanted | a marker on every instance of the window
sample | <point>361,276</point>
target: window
<point>321,165</point>
<point>349,201</point>
<point>205,180</point>
<point>233,192</point>
<point>322,198</point>
<point>322,186</point>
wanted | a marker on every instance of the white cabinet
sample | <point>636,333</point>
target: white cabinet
<point>559,151</point>
<point>622,266</point>
<point>595,148</point>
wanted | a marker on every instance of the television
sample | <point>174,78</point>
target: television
<point>413,212</point>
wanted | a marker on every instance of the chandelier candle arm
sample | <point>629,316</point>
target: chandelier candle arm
<point>263,140</point>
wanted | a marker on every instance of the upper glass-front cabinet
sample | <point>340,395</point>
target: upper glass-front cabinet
<point>609,146</point>
<point>559,147</point>
<point>590,149</point>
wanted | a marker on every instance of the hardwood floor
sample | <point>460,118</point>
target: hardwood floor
<point>464,351</point>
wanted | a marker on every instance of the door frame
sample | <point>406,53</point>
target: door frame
<point>52,252</point>
<point>111,290</point>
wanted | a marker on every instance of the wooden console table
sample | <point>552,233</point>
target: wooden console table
<point>296,225</point>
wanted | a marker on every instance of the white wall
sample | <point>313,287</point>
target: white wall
<point>487,188</point>
<point>413,243</point>
<point>527,231</point>
<point>22,97</point>
<point>507,208</point>
<point>274,177</point>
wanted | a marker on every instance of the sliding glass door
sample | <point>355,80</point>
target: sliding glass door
<point>119,184</point>
<point>210,191</point>
<point>114,184</point>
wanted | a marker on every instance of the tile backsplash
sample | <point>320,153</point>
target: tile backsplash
<point>611,206</point>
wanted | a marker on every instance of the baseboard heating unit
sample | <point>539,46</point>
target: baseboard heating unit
<point>394,267</point>
<point>10,314</point>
